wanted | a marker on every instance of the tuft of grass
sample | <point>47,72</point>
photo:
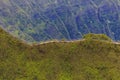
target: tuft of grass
<point>92,36</point>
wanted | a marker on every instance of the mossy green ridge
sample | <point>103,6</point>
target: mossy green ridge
<point>92,36</point>
<point>79,60</point>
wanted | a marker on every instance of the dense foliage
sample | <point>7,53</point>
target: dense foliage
<point>42,20</point>
<point>92,36</point>
<point>80,60</point>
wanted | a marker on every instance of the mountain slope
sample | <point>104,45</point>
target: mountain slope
<point>60,19</point>
<point>81,60</point>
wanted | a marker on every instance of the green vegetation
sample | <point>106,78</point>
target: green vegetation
<point>92,36</point>
<point>80,60</point>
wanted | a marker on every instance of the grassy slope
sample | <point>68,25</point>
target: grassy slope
<point>82,60</point>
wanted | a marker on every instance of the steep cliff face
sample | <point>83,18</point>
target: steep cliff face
<point>41,20</point>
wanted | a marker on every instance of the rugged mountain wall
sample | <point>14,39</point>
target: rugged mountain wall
<point>41,20</point>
